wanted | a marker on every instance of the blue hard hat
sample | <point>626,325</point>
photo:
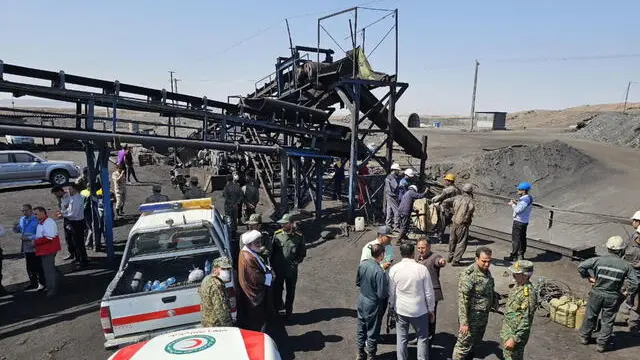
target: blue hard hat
<point>524,186</point>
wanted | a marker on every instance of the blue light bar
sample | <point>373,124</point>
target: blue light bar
<point>160,206</point>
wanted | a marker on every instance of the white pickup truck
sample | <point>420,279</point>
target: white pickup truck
<point>169,240</point>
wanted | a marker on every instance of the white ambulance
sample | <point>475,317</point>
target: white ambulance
<point>153,292</point>
<point>226,343</point>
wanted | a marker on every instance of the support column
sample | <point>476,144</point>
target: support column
<point>106,195</point>
<point>392,114</point>
<point>297,176</point>
<point>92,174</point>
<point>423,159</point>
<point>78,116</point>
<point>284,183</point>
<point>319,185</point>
<point>353,159</point>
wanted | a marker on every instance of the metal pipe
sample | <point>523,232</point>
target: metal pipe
<point>134,138</point>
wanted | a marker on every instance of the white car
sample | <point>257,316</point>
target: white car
<point>20,167</point>
<point>19,140</point>
<point>224,343</point>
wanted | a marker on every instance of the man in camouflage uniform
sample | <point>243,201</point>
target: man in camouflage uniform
<point>476,298</point>
<point>289,250</point>
<point>233,198</point>
<point>519,311</point>
<point>193,191</point>
<point>214,308</point>
<point>156,196</point>
<point>450,190</point>
<point>251,197</point>
<point>462,208</point>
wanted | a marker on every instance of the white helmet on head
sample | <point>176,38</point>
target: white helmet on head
<point>636,216</point>
<point>413,187</point>
<point>410,172</point>
<point>468,188</point>
<point>395,166</point>
<point>615,243</point>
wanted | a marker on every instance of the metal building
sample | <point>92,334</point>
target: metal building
<point>492,120</point>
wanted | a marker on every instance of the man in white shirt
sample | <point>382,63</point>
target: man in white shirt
<point>411,295</point>
<point>384,238</point>
<point>73,213</point>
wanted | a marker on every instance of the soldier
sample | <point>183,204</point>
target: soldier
<point>251,197</point>
<point>157,195</point>
<point>606,274</point>
<point>193,191</point>
<point>289,250</point>
<point>475,300</point>
<point>450,190</point>
<point>462,208</point>
<point>215,309</point>
<point>520,308</point>
<point>233,197</point>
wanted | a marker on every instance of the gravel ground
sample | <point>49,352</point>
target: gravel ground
<point>613,128</point>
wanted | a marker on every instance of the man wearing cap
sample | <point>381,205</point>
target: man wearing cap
<point>406,208</point>
<point>607,275</point>
<point>462,208</point>
<point>521,213</point>
<point>255,278</point>
<point>193,191</point>
<point>391,197</point>
<point>73,213</point>
<point>289,250</point>
<point>156,196</point>
<point>385,234</point>
<point>215,309</point>
<point>632,255</point>
<point>450,190</point>
<point>519,310</point>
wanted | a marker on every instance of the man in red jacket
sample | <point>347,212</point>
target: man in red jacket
<point>47,244</point>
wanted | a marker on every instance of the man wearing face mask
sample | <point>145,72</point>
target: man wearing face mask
<point>214,308</point>
<point>255,278</point>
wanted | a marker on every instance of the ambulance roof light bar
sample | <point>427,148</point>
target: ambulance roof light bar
<point>204,203</point>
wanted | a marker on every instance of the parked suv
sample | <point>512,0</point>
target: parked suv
<point>18,166</point>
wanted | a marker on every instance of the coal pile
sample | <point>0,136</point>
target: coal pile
<point>549,166</point>
<point>613,128</point>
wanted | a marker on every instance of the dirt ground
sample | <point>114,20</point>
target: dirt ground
<point>323,326</point>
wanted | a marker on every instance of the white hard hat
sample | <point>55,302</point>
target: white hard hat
<point>636,216</point>
<point>467,188</point>
<point>395,166</point>
<point>409,172</point>
<point>615,243</point>
<point>413,187</point>
<point>250,236</point>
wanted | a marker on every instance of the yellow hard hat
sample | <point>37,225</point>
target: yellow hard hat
<point>99,192</point>
<point>450,177</point>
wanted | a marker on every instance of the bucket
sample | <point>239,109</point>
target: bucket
<point>359,223</point>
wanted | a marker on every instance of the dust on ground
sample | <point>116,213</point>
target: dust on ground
<point>613,128</point>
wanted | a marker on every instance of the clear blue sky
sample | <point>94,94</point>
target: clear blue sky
<point>219,48</point>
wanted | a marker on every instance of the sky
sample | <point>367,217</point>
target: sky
<point>533,55</point>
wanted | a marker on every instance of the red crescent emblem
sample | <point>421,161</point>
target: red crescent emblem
<point>196,343</point>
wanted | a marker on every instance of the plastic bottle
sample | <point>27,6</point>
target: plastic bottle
<point>170,281</point>
<point>163,285</point>
<point>155,285</point>
<point>207,267</point>
<point>147,286</point>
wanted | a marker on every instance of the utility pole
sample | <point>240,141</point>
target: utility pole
<point>626,98</point>
<point>175,119</point>
<point>172,101</point>
<point>473,97</point>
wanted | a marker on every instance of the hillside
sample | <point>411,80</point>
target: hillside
<point>564,118</point>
